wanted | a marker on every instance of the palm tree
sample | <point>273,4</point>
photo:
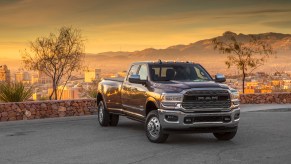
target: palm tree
<point>15,92</point>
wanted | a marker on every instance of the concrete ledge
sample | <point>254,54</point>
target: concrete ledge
<point>46,109</point>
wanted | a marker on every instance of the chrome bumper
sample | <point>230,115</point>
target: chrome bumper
<point>179,124</point>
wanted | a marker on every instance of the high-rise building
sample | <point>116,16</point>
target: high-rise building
<point>92,75</point>
<point>4,74</point>
<point>23,77</point>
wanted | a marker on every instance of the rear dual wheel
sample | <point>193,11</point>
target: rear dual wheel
<point>105,118</point>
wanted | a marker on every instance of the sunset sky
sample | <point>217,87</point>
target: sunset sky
<point>128,25</point>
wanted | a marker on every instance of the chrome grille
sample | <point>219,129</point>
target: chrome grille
<point>195,99</point>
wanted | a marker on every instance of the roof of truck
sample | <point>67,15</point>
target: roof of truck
<point>164,62</point>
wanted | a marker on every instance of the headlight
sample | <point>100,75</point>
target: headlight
<point>170,97</point>
<point>171,101</point>
<point>234,95</point>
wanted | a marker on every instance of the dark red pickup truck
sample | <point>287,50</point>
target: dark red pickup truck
<point>170,97</point>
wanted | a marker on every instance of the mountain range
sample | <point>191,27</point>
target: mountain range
<point>201,52</point>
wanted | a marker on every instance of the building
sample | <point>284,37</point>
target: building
<point>252,84</point>
<point>249,90</point>
<point>4,74</point>
<point>92,75</point>
<point>23,77</point>
<point>43,78</point>
<point>69,92</point>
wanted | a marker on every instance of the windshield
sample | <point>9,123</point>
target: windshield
<point>178,72</point>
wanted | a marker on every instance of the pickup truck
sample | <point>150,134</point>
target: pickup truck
<point>170,97</point>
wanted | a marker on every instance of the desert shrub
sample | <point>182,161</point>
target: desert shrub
<point>15,92</point>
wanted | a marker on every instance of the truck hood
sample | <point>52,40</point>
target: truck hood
<point>179,86</point>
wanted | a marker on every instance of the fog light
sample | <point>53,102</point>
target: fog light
<point>226,119</point>
<point>188,120</point>
<point>171,118</point>
<point>236,116</point>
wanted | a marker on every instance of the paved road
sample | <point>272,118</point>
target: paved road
<point>263,137</point>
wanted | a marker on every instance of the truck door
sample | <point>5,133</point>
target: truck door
<point>134,95</point>
<point>127,91</point>
<point>141,90</point>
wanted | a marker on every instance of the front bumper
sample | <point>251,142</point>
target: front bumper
<point>199,126</point>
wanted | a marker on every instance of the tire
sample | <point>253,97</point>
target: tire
<point>103,115</point>
<point>114,118</point>
<point>153,128</point>
<point>225,136</point>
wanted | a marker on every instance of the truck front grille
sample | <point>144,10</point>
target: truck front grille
<point>195,99</point>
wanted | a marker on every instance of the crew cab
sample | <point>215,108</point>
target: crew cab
<point>170,97</point>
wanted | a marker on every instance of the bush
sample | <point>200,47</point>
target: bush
<point>15,92</point>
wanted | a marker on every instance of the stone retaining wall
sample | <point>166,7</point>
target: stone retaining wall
<point>46,109</point>
<point>62,108</point>
<point>267,98</point>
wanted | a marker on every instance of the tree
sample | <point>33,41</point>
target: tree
<point>246,52</point>
<point>15,92</point>
<point>57,56</point>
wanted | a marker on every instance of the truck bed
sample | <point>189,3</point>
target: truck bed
<point>111,88</point>
<point>119,79</point>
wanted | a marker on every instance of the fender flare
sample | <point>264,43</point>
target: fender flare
<point>103,98</point>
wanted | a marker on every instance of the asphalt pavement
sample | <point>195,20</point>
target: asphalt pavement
<point>263,137</point>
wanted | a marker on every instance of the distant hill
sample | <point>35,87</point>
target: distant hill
<point>200,51</point>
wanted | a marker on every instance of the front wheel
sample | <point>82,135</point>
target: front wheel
<point>225,135</point>
<point>103,115</point>
<point>154,131</point>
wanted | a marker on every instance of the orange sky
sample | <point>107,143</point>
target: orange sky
<point>128,25</point>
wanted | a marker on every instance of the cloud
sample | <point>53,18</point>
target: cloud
<point>278,24</point>
<point>9,2</point>
<point>261,11</point>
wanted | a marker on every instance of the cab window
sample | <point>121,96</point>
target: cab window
<point>132,71</point>
<point>143,72</point>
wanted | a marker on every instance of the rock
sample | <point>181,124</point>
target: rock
<point>4,114</point>
<point>54,107</point>
<point>4,118</point>
<point>19,117</point>
<point>62,114</point>
<point>62,109</point>
<point>12,118</point>
<point>43,105</point>
<point>27,113</point>
<point>14,107</point>
<point>75,104</point>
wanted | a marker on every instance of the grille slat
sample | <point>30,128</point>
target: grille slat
<point>206,99</point>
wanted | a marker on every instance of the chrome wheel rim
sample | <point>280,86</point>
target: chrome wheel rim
<point>154,127</point>
<point>101,108</point>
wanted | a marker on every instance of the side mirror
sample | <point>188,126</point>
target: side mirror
<point>136,79</point>
<point>219,78</point>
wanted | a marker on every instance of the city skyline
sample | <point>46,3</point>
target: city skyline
<point>135,25</point>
